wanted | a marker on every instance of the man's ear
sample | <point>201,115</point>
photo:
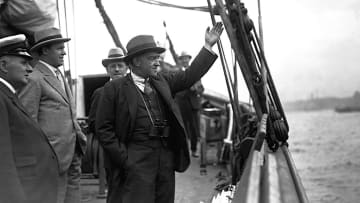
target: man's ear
<point>136,62</point>
<point>3,65</point>
<point>44,50</point>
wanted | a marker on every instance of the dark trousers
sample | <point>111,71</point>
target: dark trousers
<point>148,176</point>
<point>192,127</point>
<point>69,182</point>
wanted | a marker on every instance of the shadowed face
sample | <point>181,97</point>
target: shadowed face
<point>16,70</point>
<point>185,61</point>
<point>117,69</point>
<point>147,64</point>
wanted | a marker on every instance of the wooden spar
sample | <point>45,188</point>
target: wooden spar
<point>263,69</point>
<point>270,83</point>
<point>240,56</point>
<point>250,56</point>
<point>171,46</point>
<point>260,25</point>
<point>297,180</point>
<point>236,92</point>
<point>109,25</point>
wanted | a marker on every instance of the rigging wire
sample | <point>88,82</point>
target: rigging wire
<point>235,84</point>
<point>66,32</point>
<point>74,32</point>
<point>74,49</point>
<point>229,83</point>
<point>58,13</point>
<point>160,3</point>
<point>67,47</point>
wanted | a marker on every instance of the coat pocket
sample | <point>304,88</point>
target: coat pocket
<point>26,166</point>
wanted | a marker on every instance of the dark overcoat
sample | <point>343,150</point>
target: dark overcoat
<point>189,101</point>
<point>93,107</point>
<point>29,168</point>
<point>116,113</point>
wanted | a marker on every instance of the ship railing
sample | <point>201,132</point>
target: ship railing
<point>269,176</point>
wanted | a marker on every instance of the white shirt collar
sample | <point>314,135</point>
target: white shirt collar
<point>50,67</point>
<point>7,84</point>
<point>138,80</point>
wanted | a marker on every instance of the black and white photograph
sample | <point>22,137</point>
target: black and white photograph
<point>169,101</point>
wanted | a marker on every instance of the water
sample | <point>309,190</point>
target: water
<point>326,149</point>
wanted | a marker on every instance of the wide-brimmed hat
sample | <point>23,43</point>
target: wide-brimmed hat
<point>47,36</point>
<point>15,45</point>
<point>142,44</point>
<point>115,55</point>
<point>185,54</point>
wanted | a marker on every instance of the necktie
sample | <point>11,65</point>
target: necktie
<point>60,78</point>
<point>147,89</point>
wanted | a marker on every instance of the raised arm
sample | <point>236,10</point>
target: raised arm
<point>201,64</point>
<point>213,35</point>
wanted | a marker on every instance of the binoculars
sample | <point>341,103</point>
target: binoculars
<point>159,129</point>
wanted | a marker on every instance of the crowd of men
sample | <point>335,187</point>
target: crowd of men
<point>142,131</point>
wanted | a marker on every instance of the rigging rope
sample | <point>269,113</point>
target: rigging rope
<point>160,3</point>
<point>230,85</point>
<point>58,13</point>
<point>66,31</point>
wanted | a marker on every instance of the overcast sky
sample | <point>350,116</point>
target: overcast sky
<point>312,46</point>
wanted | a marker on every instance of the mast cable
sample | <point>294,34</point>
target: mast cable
<point>67,47</point>
<point>228,81</point>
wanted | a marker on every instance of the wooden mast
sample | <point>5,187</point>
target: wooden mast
<point>109,25</point>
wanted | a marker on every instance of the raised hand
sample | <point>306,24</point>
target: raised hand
<point>213,35</point>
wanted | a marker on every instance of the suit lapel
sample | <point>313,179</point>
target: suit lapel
<point>17,104</point>
<point>163,89</point>
<point>132,98</point>
<point>52,80</point>
<point>14,99</point>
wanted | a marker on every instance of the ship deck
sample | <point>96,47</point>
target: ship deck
<point>191,186</point>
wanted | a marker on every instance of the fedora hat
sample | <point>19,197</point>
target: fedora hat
<point>15,45</point>
<point>47,36</point>
<point>142,44</point>
<point>115,55</point>
<point>185,54</point>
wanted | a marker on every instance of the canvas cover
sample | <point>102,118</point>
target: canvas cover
<point>26,16</point>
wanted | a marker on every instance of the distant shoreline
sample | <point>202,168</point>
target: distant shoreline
<point>326,103</point>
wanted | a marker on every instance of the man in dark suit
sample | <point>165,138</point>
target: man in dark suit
<point>189,102</point>
<point>48,99</point>
<point>116,68</point>
<point>28,169</point>
<point>140,125</point>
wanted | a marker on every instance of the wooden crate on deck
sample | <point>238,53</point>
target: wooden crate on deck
<point>213,125</point>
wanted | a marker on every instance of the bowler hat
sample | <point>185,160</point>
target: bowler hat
<point>15,45</point>
<point>185,54</point>
<point>115,55</point>
<point>142,44</point>
<point>47,36</point>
